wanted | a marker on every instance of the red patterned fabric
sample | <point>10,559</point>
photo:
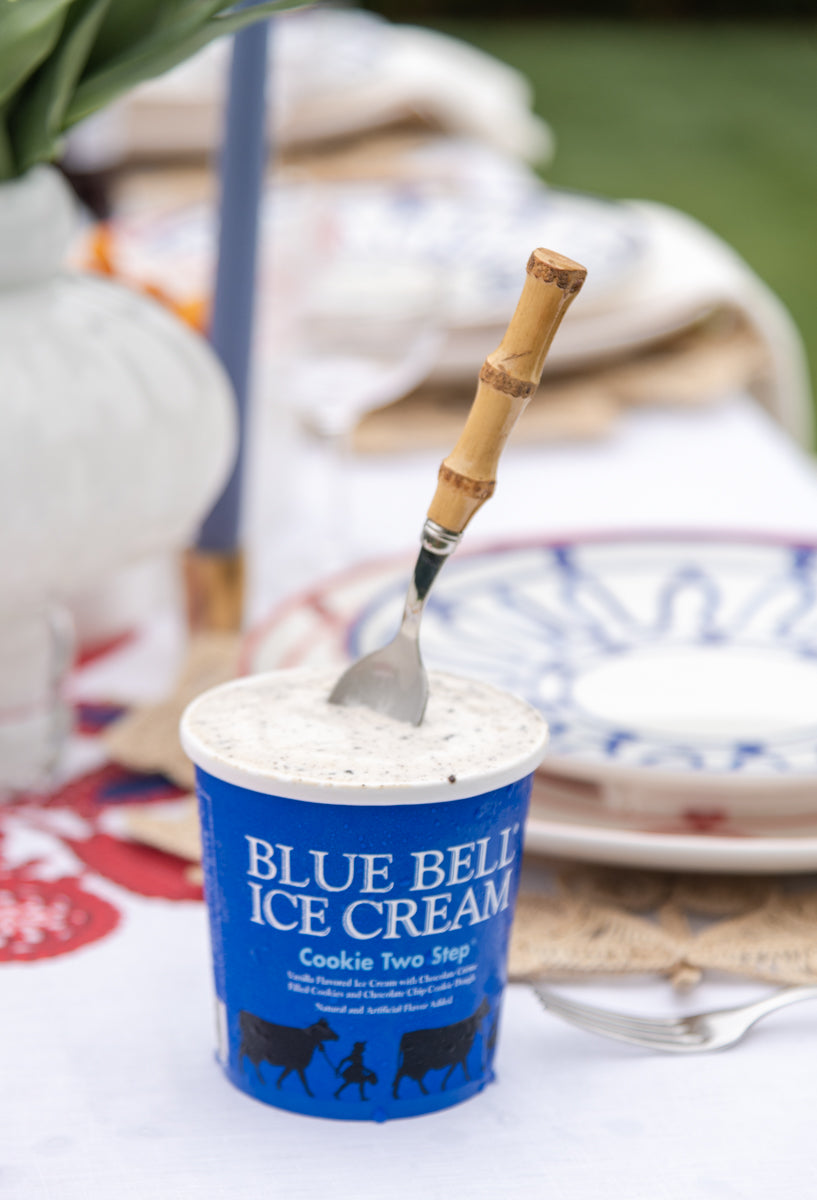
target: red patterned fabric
<point>56,849</point>
<point>40,919</point>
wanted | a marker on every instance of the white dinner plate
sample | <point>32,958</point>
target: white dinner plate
<point>678,676</point>
<point>571,819</point>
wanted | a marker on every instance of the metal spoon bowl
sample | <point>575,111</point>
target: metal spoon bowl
<point>393,680</point>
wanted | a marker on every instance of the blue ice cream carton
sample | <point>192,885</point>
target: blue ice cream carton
<point>360,876</point>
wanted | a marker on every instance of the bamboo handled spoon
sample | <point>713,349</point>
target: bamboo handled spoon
<point>393,680</point>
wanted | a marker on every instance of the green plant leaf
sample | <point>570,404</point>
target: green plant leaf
<point>8,167</point>
<point>163,49</point>
<point>131,21</point>
<point>38,116</point>
<point>128,22</point>
<point>29,30</point>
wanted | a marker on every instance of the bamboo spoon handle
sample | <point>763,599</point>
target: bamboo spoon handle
<point>507,379</point>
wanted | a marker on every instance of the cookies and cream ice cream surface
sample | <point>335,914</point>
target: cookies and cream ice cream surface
<point>277,733</point>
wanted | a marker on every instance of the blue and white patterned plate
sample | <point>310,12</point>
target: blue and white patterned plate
<point>670,662</point>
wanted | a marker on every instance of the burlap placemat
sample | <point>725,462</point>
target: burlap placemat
<point>147,737</point>
<point>593,920</point>
<point>616,921</point>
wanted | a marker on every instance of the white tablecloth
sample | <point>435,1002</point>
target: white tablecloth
<point>110,1085</point>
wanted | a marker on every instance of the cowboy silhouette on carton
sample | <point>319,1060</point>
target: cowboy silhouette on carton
<point>357,1072</point>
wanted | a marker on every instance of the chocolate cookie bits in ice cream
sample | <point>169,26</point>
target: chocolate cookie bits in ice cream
<point>360,875</point>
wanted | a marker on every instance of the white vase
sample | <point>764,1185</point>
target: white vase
<point>117,426</point>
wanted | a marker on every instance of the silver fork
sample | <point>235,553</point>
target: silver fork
<point>678,1035</point>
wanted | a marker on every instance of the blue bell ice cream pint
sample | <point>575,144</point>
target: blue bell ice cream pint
<point>360,876</point>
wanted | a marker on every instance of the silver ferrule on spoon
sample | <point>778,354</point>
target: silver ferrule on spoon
<point>436,545</point>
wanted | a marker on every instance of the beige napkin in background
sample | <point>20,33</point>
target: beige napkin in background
<point>696,367</point>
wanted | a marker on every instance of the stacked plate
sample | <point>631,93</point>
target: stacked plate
<point>466,240</point>
<point>678,676</point>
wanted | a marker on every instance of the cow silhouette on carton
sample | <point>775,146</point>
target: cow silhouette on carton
<point>281,1045</point>
<point>424,1050</point>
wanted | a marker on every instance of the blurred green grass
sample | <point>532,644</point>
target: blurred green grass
<point>719,120</point>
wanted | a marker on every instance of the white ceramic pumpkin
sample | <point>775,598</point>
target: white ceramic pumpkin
<point>117,422</point>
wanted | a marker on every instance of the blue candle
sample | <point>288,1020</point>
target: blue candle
<point>243,158</point>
